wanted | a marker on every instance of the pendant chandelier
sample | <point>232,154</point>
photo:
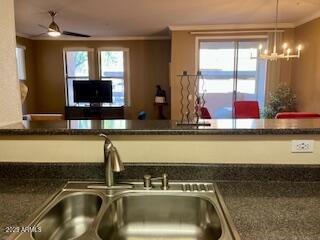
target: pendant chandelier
<point>274,55</point>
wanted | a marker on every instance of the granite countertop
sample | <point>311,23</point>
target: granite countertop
<point>164,127</point>
<point>21,198</point>
<point>274,210</point>
<point>260,210</point>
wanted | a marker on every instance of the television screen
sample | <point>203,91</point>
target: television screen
<point>92,91</point>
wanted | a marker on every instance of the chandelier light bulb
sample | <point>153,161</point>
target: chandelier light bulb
<point>299,48</point>
<point>285,46</point>
<point>260,46</point>
<point>266,51</point>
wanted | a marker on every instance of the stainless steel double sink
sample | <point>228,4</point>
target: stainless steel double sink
<point>86,211</point>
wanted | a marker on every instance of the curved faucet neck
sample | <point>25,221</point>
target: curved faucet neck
<point>112,161</point>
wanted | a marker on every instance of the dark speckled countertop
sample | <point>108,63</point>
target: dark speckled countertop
<point>274,210</point>
<point>260,210</point>
<point>165,127</point>
<point>265,201</point>
<point>19,198</point>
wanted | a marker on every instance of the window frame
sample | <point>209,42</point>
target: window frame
<point>91,68</point>
<point>224,38</point>
<point>126,62</point>
<point>236,39</point>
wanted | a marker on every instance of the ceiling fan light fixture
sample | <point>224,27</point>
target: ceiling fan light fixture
<point>53,29</point>
<point>54,33</point>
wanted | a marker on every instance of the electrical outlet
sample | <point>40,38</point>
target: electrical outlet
<point>302,146</point>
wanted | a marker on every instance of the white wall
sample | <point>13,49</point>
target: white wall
<point>160,149</point>
<point>10,102</point>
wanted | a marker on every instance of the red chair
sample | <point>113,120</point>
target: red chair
<point>205,114</point>
<point>296,115</point>
<point>246,109</point>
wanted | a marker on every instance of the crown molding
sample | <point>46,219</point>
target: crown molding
<point>22,35</point>
<point>126,38</point>
<point>235,32</point>
<point>229,27</point>
<point>307,19</point>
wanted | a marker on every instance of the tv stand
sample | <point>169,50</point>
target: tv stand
<point>93,113</point>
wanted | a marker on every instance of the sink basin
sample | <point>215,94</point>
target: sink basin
<point>160,217</point>
<point>69,218</point>
<point>88,211</point>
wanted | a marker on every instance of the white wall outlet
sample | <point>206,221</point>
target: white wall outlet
<point>302,146</point>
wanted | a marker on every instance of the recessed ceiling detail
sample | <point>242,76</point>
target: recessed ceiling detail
<point>151,18</point>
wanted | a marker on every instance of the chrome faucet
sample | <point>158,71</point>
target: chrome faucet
<point>112,161</point>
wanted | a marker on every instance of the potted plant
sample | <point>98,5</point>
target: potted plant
<point>281,100</point>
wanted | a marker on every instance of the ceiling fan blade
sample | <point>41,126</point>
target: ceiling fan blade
<point>75,34</point>
<point>39,35</point>
<point>44,27</point>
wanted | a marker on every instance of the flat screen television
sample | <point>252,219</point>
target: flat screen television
<point>92,91</point>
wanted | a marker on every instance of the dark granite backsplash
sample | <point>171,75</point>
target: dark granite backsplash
<point>216,172</point>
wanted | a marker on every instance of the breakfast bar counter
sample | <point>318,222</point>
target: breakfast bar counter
<point>259,210</point>
<point>165,127</point>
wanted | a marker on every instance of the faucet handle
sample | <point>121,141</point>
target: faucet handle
<point>147,181</point>
<point>165,181</point>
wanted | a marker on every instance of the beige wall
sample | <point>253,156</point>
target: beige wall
<point>280,72</point>
<point>160,149</point>
<point>306,70</point>
<point>10,101</point>
<point>149,66</point>
<point>287,66</point>
<point>182,59</point>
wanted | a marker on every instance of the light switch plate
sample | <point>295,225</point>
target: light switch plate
<point>302,146</point>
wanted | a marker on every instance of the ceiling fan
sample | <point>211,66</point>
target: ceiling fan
<point>54,31</point>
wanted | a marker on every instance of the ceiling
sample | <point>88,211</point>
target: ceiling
<point>147,18</point>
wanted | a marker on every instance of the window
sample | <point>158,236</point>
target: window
<point>231,73</point>
<point>21,62</point>
<point>77,67</point>
<point>113,65</point>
